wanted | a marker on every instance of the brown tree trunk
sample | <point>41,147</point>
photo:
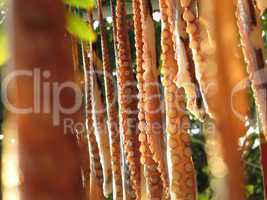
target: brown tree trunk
<point>48,153</point>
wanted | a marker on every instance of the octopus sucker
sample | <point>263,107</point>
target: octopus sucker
<point>153,184</point>
<point>216,81</point>
<point>127,101</point>
<point>175,116</point>
<point>112,114</point>
<point>186,77</point>
<point>152,94</point>
<point>199,27</point>
<point>96,171</point>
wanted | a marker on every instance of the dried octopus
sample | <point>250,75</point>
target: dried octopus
<point>199,40</point>
<point>226,57</point>
<point>261,5</point>
<point>152,175</point>
<point>186,77</point>
<point>206,41</point>
<point>101,131</point>
<point>248,18</point>
<point>127,102</point>
<point>100,126</point>
<point>179,153</point>
<point>152,97</point>
<point>127,189</point>
<point>112,112</point>
<point>96,174</point>
<point>146,155</point>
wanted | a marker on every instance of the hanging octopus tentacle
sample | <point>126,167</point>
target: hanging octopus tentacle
<point>248,19</point>
<point>203,26</point>
<point>127,100</point>
<point>225,100</point>
<point>153,184</point>
<point>114,25</point>
<point>127,188</point>
<point>181,169</point>
<point>100,126</point>
<point>261,5</point>
<point>95,164</point>
<point>101,131</point>
<point>186,77</point>
<point>184,55</point>
<point>111,110</point>
<point>201,34</point>
<point>250,30</point>
<point>152,97</point>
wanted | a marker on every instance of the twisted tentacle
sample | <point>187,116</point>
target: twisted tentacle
<point>153,184</point>
<point>96,174</point>
<point>186,77</point>
<point>181,169</point>
<point>127,189</point>
<point>152,98</point>
<point>127,100</point>
<point>101,132</point>
<point>112,111</point>
<point>201,33</point>
<point>114,25</point>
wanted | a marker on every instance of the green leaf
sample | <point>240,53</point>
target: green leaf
<point>264,20</point>
<point>3,49</point>
<point>264,15</point>
<point>79,28</point>
<point>250,189</point>
<point>265,38</point>
<point>203,196</point>
<point>86,4</point>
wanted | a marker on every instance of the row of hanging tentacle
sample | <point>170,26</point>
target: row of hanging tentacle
<point>139,150</point>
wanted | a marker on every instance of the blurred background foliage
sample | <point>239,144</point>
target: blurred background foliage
<point>249,145</point>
